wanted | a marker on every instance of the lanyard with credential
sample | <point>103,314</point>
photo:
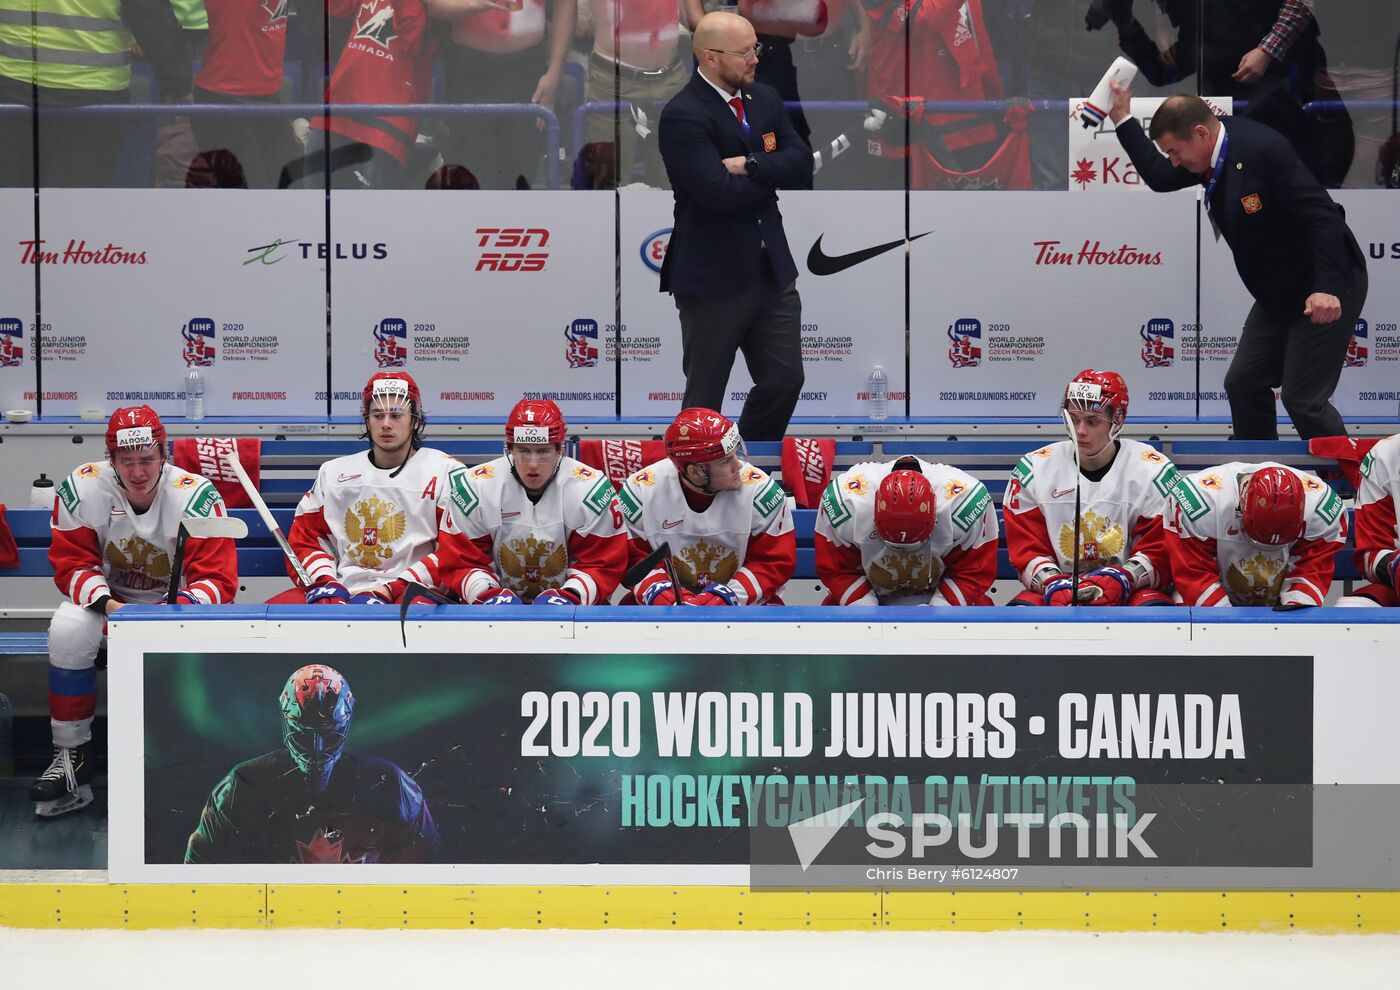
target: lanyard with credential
<point>1215,169</point>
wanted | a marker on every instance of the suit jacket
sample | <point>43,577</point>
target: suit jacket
<point>1288,237</point>
<point>724,222</point>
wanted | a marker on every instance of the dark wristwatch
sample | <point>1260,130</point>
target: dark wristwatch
<point>751,166</point>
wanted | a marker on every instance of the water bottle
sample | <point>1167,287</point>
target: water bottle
<point>7,739</point>
<point>41,493</point>
<point>879,390</point>
<point>194,395</point>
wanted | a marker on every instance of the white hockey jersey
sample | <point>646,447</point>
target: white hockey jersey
<point>744,538</point>
<point>1377,531</point>
<point>1120,514</point>
<point>1214,563</point>
<point>572,539</point>
<point>101,546</point>
<point>956,566</point>
<point>364,526</point>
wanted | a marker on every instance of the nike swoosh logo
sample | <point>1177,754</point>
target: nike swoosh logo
<point>348,477</point>
<point>671,523</point>
<point>821,263</point>
<point>509,515</point>
<point>1058,492</point>
<point>1231,531</point>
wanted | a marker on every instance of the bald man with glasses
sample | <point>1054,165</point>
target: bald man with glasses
<point>729,146</point>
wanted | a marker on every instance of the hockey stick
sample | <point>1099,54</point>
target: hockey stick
<point>201,528</point>
<point>267,519</point>
<point>412,590</point>
<point>662,556</point>
<point>1078,477</point>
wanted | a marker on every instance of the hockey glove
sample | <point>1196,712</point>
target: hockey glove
<point>660,593</point>
<point>553,596</point>
<point>1394,564</point>
<point>501,596</point>
<point>1059,591</point>
<point>365,598</point>
<point>1115,585</point>
<point>713,594</point>
<point>329,593</point>
<point>182,597</point>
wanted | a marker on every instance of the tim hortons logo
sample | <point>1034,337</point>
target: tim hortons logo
<point>1092,253</point>
<point>506,249</point>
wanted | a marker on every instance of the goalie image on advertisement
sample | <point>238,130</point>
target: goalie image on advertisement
<point>312,801</point>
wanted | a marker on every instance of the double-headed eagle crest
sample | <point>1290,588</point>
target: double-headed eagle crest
<point>372,526</point>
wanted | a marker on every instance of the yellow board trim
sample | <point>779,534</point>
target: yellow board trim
<point>169,906</point>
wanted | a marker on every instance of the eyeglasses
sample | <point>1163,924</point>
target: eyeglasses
<point>755,51</point>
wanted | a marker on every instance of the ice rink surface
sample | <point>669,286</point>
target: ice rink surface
<point>387,960</point>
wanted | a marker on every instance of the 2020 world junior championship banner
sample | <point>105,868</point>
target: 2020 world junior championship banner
<point>435,758</point>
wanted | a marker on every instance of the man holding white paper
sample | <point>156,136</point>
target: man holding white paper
<point>1292,249</point>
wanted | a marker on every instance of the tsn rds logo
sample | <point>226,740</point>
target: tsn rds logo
<point>512,249</point>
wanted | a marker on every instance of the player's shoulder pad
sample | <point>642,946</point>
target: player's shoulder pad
<point>767,494</point>
<point>964,499</point>
<point>84,483</point>
<point>1195,494</point>
<point>1152,464</point>
<point>589,485</point>
<point>1024,471</point>
<point>462,492</point>
<point>1385,455</point>
<point>200,495</point>
<point>1323,504</point>
<point>634,492</point>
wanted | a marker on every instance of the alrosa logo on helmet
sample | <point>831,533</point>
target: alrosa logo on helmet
<point>135,436</point>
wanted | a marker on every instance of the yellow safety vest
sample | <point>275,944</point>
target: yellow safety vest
<point>65,44</point>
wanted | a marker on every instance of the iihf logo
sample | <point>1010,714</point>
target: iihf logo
<point>1357,350</point>
<point>579,348</point>
<point>199,342</point>
<point>11,343</point>
<point>1157,352</point>
<point>962,352</point>
<point>391,343</point>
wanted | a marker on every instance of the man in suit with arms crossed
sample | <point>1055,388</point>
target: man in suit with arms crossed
<point>729,146</point>
<point>1293,251</point>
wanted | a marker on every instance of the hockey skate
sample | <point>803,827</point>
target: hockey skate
<point>65,786</point>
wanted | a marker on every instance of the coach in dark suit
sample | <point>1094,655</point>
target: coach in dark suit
<point>1292,247</point>
<point>729,146</point>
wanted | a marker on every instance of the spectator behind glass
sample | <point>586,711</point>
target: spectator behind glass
<point>215,169</point>
<point>634,60</point>
<point>950,57</point>
<point>1251,50</point>
<point>244,64</point>
<point>387,59</point>
<point>80,58</point>
<point>499,54</point>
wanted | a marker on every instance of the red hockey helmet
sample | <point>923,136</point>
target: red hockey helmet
<point>385,386</point>
<point>1099,391</point>
<point>535,421</point>
<point>135,428</point>
<point>699,436</point>
<point>1271,507</point>
<point>904,509</point>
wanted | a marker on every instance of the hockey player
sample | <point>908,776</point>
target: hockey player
<point>1122,486</point>
<point>907,533</point>
<point>310,801</point>
<point>1254,534</point>
<point>370,522</point>
<point>533,526</point>
<point>115,527</point>
<point>1377,532</point>
<point>729,525</point>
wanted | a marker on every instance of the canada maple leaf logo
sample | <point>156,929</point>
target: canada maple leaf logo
<point>1083,173</point>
